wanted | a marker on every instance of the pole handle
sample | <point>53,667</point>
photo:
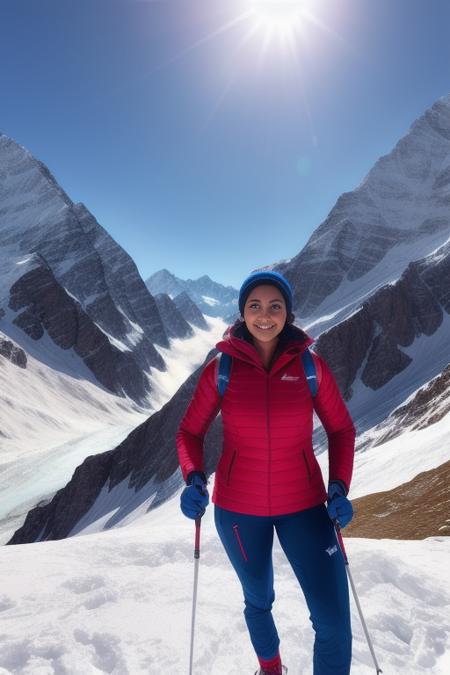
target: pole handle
<point>198,522</point>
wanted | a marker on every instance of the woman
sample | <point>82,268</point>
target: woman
<point>268,477</point>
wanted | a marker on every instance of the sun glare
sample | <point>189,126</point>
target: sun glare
<point>277,18</point>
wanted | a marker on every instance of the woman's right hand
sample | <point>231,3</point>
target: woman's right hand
<point>194,498</point>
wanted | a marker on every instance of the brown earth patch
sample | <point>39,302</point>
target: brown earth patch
<point>417,509</point>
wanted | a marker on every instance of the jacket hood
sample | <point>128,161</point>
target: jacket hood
<point>238,342</point>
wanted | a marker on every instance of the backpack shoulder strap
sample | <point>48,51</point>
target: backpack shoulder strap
<point>223,374</point>
<point>313,373</point>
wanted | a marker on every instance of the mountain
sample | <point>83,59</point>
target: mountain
<point>189,310</point>
<point>210,297</point>
<point>63,275</point>
<point>398,213</point>
<point>381,322</point>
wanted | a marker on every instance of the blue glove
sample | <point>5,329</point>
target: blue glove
<point>194,498</point>
<point>339,507</point>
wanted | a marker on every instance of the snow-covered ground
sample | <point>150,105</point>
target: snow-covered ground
<point>120,602</point>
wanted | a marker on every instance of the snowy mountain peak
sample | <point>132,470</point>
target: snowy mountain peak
<point>399,212</point>
<point>211,298</point>
<point>56,257</point>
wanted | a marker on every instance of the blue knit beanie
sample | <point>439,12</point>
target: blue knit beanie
<point>265,277</point>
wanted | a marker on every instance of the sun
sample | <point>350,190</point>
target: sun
<point>280,19</point>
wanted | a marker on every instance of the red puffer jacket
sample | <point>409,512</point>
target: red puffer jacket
<point>267,466</point>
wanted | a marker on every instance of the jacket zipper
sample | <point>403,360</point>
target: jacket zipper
<point>307,465</point>
<point>235,528</point>
<point>269,443</point>
<point>231,466</point>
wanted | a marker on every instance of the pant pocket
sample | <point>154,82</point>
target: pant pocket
<point>236,532</point>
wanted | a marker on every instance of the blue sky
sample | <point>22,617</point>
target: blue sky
<point>199,140</point>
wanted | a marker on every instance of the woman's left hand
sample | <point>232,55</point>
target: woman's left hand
<point>339,507</point>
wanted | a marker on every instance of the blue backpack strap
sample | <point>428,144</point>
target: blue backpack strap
<point>224,373</point>
<point>310,371</point>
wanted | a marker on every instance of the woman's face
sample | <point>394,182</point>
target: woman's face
<point>265,312</point>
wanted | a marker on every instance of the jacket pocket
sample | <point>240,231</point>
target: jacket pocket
<point>230,467</point>
<point>308,468</point>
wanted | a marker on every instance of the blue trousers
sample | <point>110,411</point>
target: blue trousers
<point>309,542</point>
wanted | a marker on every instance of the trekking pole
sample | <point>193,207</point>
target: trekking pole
<point>194,601</point>
<point>355,595</point>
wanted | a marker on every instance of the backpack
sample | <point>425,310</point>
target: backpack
<point>306,358</point>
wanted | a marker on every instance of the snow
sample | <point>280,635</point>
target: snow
<point>210,301</point>
<point>398,460</point>
<point>182,357</point>
<point>120,602</point>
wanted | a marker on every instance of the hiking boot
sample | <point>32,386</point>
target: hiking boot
<point>273,671</point>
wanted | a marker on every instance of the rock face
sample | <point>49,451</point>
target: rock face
<point>42,305</point>
<point>174,323</point>
<point>369,342</point>
<point>51,245</point>
<point>146,457</point>
<point>210,297</point>
<point>189,310</point>
<point>12,352</point>
<point>400,208</point>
